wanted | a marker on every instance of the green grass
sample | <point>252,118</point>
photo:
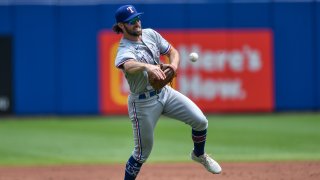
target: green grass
<point>92,140</point>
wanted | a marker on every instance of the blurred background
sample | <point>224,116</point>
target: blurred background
<point>255,56</point>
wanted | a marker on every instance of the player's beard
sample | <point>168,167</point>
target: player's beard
<point>133,32</point>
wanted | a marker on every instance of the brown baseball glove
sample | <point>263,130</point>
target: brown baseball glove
<point>160,83</point>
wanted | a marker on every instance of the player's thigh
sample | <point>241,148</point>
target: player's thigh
<point>180,107</point>
<point>144,116</point>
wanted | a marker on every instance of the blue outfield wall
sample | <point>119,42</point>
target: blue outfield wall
<point>77,68</point>
<point>317,53</point>
<point>56,55</point>
<point>34,59</point>
<point>295,68</point>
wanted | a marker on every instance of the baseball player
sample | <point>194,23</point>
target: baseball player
<point>138,57</point>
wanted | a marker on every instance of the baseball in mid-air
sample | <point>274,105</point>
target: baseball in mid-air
<point>193,56</point>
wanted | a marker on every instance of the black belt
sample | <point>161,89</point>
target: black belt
<point>151,93</point>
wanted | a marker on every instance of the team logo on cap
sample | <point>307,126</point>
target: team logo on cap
<point>130,9</point>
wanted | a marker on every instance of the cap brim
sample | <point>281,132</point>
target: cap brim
<point>132,16</point>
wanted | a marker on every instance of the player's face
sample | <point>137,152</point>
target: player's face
<point>133,27</point>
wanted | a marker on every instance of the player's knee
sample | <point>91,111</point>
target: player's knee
<point>141,153</point>
<point>202,124</point>
<point>143,156</point>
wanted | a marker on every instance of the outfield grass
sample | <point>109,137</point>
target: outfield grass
<point>58,140</point>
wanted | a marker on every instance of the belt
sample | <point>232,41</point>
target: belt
<point>149,94</point>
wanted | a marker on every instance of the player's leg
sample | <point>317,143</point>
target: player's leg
<point>180,107</point>
<point>144,116</point>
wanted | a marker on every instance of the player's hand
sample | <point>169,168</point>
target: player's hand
<point>154,70</point>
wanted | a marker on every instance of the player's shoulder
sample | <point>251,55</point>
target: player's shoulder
<point>148,30</point>
<point>151,33</point>
<point>125,42</point>
<point>125,45</point>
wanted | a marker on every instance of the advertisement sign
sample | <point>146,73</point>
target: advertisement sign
<point>234,72</point>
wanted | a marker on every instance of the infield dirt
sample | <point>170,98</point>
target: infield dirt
<point>170,171</point>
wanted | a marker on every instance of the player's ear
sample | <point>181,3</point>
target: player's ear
<point>121,25</point>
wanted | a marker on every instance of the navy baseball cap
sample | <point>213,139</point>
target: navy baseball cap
<point>126,13</point>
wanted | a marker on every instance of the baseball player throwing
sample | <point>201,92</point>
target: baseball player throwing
<point>138,57</point>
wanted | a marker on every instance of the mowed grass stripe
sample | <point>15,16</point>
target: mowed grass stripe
<point>92,140</point>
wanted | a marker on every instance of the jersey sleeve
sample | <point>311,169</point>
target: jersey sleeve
<point>163,44</point>
<point>122,57</point>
